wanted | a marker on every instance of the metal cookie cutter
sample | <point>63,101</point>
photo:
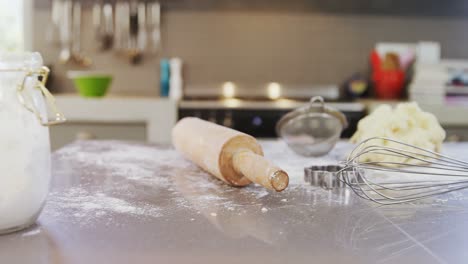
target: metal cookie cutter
<point>329,176</point>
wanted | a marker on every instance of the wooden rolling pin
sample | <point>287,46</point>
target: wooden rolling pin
<point>230,155</point>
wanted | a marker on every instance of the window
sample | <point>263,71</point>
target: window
<point>15,25</point>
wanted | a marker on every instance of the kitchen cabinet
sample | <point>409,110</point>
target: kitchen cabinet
<point>71,131</point>
<point>456,133</point>
<point>135,118</point>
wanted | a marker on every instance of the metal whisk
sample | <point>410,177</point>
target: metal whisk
<point>414,173</point>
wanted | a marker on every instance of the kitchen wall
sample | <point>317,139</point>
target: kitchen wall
<point>257,46</point>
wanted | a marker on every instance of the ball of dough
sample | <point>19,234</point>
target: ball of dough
<point>406,123</point>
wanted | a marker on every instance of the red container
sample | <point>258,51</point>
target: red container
<point>388,84</point>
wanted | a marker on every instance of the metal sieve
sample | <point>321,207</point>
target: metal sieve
<point>312,130</point>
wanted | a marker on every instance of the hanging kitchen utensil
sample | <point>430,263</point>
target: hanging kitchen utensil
<point>53,31</point>
<point>106,37</point>
<point>137,29</point>
<point>133,48</point>
<point>312,130</point>
<point>97,19</point>
<point>77,56</point>
<point>103,24</point>
<point>122,27</point>
<point>65,31</point>
<point>70,35</point>
<point>142,35</point>
<point>76,28</point>
<point>153,19</point>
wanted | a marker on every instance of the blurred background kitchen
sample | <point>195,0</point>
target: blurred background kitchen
<point>129,69</point>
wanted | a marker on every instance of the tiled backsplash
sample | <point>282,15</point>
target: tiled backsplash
<point>253,47</point>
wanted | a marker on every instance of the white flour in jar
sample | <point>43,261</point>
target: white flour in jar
<point>24,153</point>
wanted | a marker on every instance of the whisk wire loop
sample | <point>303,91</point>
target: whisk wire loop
<point>401,164</point>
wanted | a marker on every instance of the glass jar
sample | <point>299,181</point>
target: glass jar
<point>25,170</point>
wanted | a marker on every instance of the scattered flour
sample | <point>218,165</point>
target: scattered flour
<point>114,175</point>
<point>130,168</point>
<point>85,206</point>
<point>262,193</point>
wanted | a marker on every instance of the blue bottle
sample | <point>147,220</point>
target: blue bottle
<point>164,78</point>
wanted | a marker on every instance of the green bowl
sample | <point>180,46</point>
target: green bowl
<point>91,84</point>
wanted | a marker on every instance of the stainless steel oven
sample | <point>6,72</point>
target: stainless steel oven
<point>258,118</point>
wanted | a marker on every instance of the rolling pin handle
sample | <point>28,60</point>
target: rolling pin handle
<point>257,169</point>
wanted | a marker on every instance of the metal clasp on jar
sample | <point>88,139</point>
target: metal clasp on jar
<point>25,99</point>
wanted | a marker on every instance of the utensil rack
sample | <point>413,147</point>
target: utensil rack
<point>130,28</point>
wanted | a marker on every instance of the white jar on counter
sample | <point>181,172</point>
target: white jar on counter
<point>25,170</point>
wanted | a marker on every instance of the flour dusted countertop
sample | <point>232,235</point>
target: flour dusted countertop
<point>121,202</point>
